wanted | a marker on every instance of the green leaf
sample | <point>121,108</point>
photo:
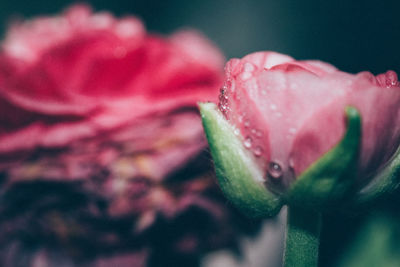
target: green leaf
<point>331,177</point>
<point>239,177</point>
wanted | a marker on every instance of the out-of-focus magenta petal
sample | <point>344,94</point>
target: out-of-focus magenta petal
<point>101,71</point>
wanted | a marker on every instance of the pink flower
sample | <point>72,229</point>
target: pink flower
<point>86,95</point>
<point>82,74</point>
<point>292,112</point>
<point>98,138</point>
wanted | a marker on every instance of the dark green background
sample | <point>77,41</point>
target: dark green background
<point>353,35</point>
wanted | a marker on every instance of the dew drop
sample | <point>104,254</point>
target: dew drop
<point>258,151</point>
<point>247,142</point>
<point>223,100</point>
<point>272,107</point>
<point>248,67</point>
<point>246,123</point>
<point>274,171</point>
<point>245,75</point>
<point>236,131</point>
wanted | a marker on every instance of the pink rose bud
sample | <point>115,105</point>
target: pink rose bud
<point>292,112</point>
<point>289,114</point>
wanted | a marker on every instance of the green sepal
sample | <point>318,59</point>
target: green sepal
<point>385,182</point>
<point>239,177</point>
<point>330,178</point>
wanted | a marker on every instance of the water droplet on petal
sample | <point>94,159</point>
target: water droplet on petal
<point>246,123</point>
<point>248,67</point>
<point>247,71</point>
<point>223,100</point>
<point>272,107</point>
<point>274,171</point>
<point>257,151</point>
<point>245,75</point>
<point>258,133</point>
<point>236,131</point>
<point>247,142</point>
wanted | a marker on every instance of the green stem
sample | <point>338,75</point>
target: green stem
<point>302,238</point>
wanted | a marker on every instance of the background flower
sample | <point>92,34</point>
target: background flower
<point>101,146</point>
<point>81,74</point>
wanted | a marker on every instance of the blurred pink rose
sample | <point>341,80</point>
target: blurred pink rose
<point>100,140</point>
<point>291,112</point>
<point>87,81</point>
<point>82,74</point>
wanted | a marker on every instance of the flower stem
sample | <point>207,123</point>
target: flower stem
<point>302,238</point>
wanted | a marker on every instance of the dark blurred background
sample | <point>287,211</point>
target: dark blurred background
<point>352,35</point>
